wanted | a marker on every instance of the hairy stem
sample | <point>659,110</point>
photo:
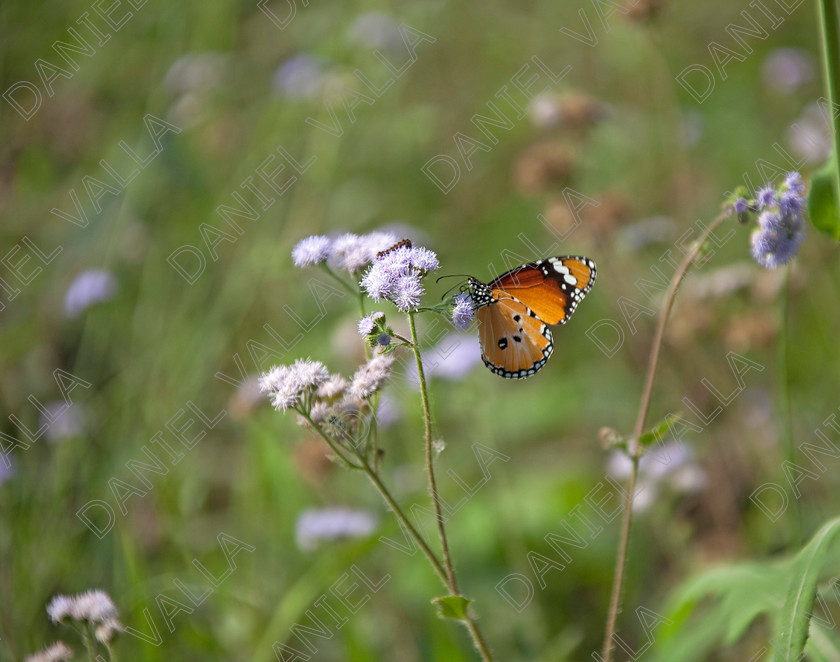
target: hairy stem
<point>641,418</point>
<point>430,469</point>
<point>441,572</point>
<point>451,582</point>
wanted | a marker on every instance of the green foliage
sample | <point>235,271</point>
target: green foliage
<point>452,606</point>
<point>783,590</point>
<point>822,202</point>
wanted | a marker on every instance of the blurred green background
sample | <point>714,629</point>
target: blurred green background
<point>233,81</point>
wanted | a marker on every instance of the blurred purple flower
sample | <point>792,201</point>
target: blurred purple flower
<point>453,358</point>
<point>312,250</point>
<point>809,136</point>
<point>62,420</point>
<point>741,206</point>
<point>387,410</point>
<point>195,71</point>
<point>781,229</point>
<point>786,69</point>
<point>384,340</point>
<point>766,196</point>
<point>670,465</point>
<point>462,312</point>
<point>90,287</point>
<point>7,467</point>
<point>314,527</point>
<point>299,77</point>
<point>375,30</point>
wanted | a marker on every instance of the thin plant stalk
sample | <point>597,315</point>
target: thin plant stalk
<point>430,469</point>
<point>828,13</point>
<point>786,423</point>
<point>634,449</point>
<point>451,581</point>
<point>384,492</point>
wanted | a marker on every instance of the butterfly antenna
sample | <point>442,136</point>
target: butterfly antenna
<point>452,276</point>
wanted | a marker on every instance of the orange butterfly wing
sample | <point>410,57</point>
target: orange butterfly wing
<point>514,342</point>
<point>552,288</point>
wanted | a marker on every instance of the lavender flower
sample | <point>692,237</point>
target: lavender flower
<point>312,250</point>
<point>462,312</point>
<point>453,358</point>
<point>299,77</point>
<point>368,323</point>
<point>407,292</point>
<point>670,465</point>
<point>353,252</point>
<point>741,206</point>
<point>397,276</point>
<point>92,606</point>
<point>371,376</point>
<point>317,526</point>
<point>286,384</point>
<point>89,287</point>
<point>7,468</point>
<point>773,249</point>
<point>781,229</point>
<point>766,196</point>
<point>375,30</point>
<point>58,652</point>
<point>62,420</point>
<point>786,69</point>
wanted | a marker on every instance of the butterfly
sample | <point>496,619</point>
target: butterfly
<point>515,310</point>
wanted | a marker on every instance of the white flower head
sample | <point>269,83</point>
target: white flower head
<point>61,607</point>
<point>58,652</point>
<point>371,376</point>
<point>285,384</point>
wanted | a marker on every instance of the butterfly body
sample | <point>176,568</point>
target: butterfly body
<point>515,310</point>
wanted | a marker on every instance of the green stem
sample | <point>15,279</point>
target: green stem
<point>341,281</point>
<point>831,66</point>
<point>430,469</point>
<point>472,626</point>
<point>339,453</point>
<point>634,449</point>
<point>786,436</point>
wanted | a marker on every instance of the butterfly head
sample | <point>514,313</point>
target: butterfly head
<point>480,292</point>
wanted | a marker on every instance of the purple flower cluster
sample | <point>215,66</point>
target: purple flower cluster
<point>368,323</point>
<point>398,276</point>
<point>463,311</point>
<point>286,384</point>
<point>781,229</point>
<point>348,251</point>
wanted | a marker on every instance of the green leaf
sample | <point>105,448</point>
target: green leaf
<point>717,606</point>
<point>822,205</point>
<point>795,616</point>
<point>656,433</point>
<point>452,606</point>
